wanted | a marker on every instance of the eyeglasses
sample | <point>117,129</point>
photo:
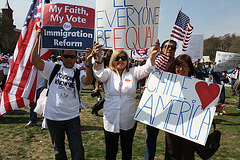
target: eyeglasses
<point>183,67</point>
<point>168,46</point>
<point>123,58</point>
<point>69,56</point>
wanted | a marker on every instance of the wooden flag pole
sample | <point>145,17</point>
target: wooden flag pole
<point>39,41</point>
<point>39,45</point>
<point>181,8</point>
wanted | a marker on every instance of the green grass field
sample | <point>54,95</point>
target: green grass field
<point>16,142</point>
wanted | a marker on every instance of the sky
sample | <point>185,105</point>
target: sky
<point>208,17</point>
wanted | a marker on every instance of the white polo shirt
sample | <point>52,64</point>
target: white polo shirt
<point>120,104</point>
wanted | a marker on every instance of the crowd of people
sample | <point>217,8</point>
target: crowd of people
<point>119,76</point>
<point>5,61</point>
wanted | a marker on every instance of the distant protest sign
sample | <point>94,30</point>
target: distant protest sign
<point>127,24</point>
<point>195,47</point>
<point>140,54</point>
<point>68,27</point>
<point>206,59</point>
<point>225,61</point>
<point>180,105</point>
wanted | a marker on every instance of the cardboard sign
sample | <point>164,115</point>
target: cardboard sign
<point>141,54</point>
<point>206,59</point>
<point>68,27</point>
<point>180,105</point>
<point>195,47</point>
<point>225,61</point>
<point>127,24</point>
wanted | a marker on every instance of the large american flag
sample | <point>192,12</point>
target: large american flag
<point>182,29</point>
<point>20,87</point>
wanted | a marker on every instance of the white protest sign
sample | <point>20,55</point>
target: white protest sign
<point>141,54</point>
<point>127,24</point>
<point>206,59</point>
<point>194,49</point>
<point>180,105</point>
<point>225,61</point>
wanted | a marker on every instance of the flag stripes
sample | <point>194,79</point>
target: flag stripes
<point>161,62</point>
<point>20,86</point>
<point>182,29</point>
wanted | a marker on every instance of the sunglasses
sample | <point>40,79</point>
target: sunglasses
<point>168,46</point>
<point>69,56</point>
<point>123,58</point>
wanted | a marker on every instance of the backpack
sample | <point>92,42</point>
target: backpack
<point>41,102</point>
<point>75,76</point>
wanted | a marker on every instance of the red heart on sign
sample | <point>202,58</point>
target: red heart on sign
<point>207,93</point>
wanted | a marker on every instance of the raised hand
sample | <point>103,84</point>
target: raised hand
<point>97,48</point>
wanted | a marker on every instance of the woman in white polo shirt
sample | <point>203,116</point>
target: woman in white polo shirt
<point>120,84</point>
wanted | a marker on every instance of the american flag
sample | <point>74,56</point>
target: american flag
<point>182,29</point>
<point>20,87</point>
<point>140,54</point>
<point>161,62</point>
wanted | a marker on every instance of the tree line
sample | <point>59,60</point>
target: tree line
<point>226,43</point>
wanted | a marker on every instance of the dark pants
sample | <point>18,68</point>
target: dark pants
<point>72,128</point>
<point>222,95</point>
<point>126,139</point>
<point>179,148</point>
<point>3,82</point>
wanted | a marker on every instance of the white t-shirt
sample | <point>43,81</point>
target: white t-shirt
<point>41,82</point>
<point>62,102</point>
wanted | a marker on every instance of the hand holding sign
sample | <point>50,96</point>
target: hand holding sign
<point>127,25</point>
<point>40,31</point>
<point>178,105</point>
<point>155,49</point>
<point>220,108</point>
<point>68,26</point>
<point>90,54</point>
<point>97,48</point>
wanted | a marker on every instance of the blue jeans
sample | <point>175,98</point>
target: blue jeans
<point>151,142</point>
<point>32,106</point>
<point>72,128</point>
<point>233,90</point>
<point>232,83</point>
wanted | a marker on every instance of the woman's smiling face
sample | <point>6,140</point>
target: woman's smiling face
<point>182,69</point>
<point>120,62</point>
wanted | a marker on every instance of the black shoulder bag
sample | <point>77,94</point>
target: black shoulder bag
<point>211,146</point>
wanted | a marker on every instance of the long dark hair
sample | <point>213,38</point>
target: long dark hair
<point>184,58</point>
